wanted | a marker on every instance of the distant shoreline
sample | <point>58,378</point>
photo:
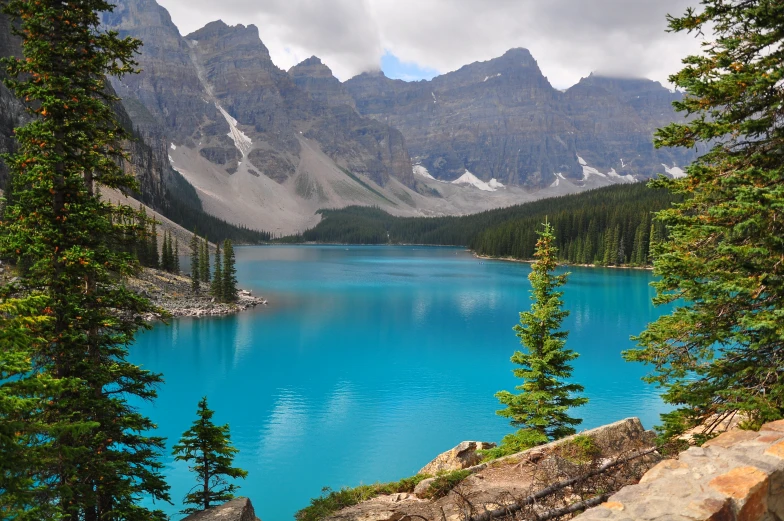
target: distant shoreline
<point>530,261</point>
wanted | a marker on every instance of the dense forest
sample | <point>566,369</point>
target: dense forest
<point>607,226</point>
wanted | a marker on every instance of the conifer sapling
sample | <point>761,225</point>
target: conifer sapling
<point>540,409</point>
<point>207,448</point>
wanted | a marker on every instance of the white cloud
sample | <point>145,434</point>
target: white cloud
<point>568,38</point>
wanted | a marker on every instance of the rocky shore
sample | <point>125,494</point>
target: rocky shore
<point>173,294</point>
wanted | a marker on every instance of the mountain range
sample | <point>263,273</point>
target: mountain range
<point>267,148</point>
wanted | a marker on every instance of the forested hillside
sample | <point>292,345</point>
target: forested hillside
<point>607,226</point>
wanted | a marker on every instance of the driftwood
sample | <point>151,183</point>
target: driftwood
<point>489,515</point>
<point>574,507</point>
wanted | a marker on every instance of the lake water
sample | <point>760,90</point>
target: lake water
<point>369,361</point>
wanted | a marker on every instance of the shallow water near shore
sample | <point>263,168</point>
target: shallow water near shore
<point>369,361</point>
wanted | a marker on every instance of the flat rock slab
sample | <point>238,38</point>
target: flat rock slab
<point>238,509</point>
<point>458,458</point>
<point>737,476</point>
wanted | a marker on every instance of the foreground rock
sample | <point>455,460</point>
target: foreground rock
<point>238,509</point>
<point>737,476</point>
<point>620,453</point>
<point>461,457</point>
<point>173,294</point>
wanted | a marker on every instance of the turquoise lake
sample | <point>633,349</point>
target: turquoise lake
<point>369,361</point>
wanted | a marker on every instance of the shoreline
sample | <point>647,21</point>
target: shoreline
<point>172,293</point>
<point>531,261</point>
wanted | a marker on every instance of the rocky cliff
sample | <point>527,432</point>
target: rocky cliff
<point>614,120</point>
<point>160,187</point>
<point>502,119</point>
<point>218,92</point>
<point>317,80</point>
<point>237,67</point>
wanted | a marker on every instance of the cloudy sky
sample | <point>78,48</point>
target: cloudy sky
<point>414,39</point>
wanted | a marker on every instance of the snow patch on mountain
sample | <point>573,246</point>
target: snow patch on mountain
<point>422,171</point>
<point>674,171</point>
<point>623,178</point>
<point>493,76</point>
<point>588,171</point>
<point>173,146</point>
<point>470,179</point>
<point>241,140</point>
<point>558,178</point>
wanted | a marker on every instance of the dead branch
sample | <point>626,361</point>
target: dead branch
<point>580,505</point>
<point>519,505</point>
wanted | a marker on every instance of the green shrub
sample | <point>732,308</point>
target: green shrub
<point>443,483</point>
<point>519,441</point>
<point>333,500</point>
<point>580,449</point>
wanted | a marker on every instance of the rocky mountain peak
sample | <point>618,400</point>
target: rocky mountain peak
<point>227,36</point>
<point>140,14</point>
<point>312,61</point>
<point>312,67</point>
<point>316,79</point>
<point>519,53</point>
<point>516,68</point>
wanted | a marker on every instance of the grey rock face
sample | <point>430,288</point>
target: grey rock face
<point>187,81</point>
<point>168,86</point>
<point>502,119</point>
<point>147,148</point>
<point>614,121</point>
<point>317,79</point>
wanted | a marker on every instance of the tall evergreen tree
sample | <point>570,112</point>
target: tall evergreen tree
<point>652,242</point>
<point>216,290</point>
<point>90,456</point>
<point>195,263</point>
<point>229,286</point>
<point>721,350</point>
<point>540,409</point>
<point>208,447</point>
<point>176,255</point>
<point>169,252</point>
<point>153,255</point>
<point>204,261</point>
<point>142,240</point>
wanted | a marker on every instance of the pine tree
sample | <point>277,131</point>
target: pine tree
<point>208,447</point>
<point>204,261</point>
<point>153,255</point>
<point>721,350</point>
<point>652,242</point>
<point>540,409</point>
<point>615,246</point>
<point>168,253</point>
<point>195,263</point>
<point>142,242</point>
<point>91,457</point>
<point>216,290</point>
<point>176,255</point>
<point>229,288</point>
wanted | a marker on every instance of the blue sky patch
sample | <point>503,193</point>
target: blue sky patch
<point>407,71</point>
